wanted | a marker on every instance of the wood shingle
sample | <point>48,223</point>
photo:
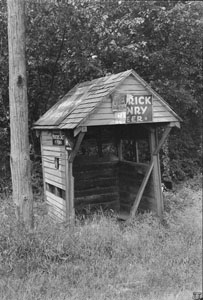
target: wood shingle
<point>89,103</point>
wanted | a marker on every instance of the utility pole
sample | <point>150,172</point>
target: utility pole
<point>19,156</point>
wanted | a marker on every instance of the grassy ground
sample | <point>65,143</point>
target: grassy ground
<point>104,259</point>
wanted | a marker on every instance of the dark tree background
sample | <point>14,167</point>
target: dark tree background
<point>73,41</point>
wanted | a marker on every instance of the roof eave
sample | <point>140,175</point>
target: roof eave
<point>147,86</point>
<point>44,127</point>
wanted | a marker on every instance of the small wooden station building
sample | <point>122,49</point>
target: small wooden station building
<point>100,147</point>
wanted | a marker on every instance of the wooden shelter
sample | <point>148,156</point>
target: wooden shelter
<point>100,147</point>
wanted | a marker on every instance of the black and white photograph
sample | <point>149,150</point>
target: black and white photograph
<point>101,106</point>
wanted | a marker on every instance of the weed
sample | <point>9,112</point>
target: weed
<point>99,259</point>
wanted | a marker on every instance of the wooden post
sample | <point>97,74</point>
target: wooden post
<point>67,185</point>
<point>163,138</point>
<point>70,156</point>
<point>137,151</point>
<point>158,166</point>
<point>76,146</point>
<point>70,212</point>
<point>120,149</point>
<point>156,173</point>
<point>43,175</point>
<point>119,143</point>
<point>71,193</point>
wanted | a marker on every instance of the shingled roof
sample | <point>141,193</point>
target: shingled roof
<point>81,101</point>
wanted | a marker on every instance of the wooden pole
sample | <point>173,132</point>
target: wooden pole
<point>156,173</point>
<point>19,157</point>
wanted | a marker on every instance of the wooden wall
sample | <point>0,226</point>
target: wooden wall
<point>96,183</point>
<point>110,184</point>
<point>56,207</point>
<point>130,178</point>
<point>54,178</point>
<point>104,115</point>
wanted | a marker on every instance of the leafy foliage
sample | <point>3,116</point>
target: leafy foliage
<point>74,41</point>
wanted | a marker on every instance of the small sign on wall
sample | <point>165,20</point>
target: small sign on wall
<point>138,108</point>
<point>120,117</point>
<point>58,139</point>
<point>118,102</point>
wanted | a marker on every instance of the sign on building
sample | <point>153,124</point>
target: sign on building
<point>138,108</point>
<point>118,102</point>
<point>58,139</point>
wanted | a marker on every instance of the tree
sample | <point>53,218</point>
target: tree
<point>73,41</point>
<point>19,157</point>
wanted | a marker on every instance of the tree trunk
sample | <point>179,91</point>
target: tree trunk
<point>19,157</point>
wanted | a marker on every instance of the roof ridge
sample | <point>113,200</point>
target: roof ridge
<point>109,75</point>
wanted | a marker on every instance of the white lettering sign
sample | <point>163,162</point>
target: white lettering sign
<point>138,108</point>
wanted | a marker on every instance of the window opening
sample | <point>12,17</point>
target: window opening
<point>136,151</point>
<point>58,192</point>
<point>50,188</point>
<point>55,190</point>
<point>56,162</point>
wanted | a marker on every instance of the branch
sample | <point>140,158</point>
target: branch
<point>55,64</point>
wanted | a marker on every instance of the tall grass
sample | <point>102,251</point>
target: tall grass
<point>103,258</point>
